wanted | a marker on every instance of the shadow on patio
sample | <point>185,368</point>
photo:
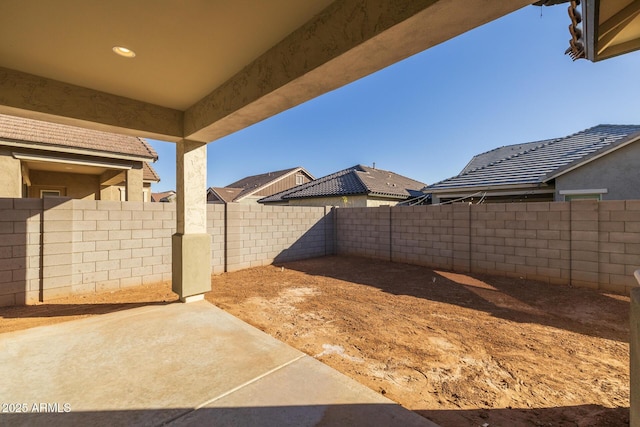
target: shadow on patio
<point>589,415</point>
<point>292,415</point>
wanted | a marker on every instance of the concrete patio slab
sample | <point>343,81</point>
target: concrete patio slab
<point>176,364</point>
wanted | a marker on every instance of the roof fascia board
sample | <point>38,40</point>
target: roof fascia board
<point>47,159</point>
<point>500,193</point>
<point>595,156</point>
<point>58,149</point>
<point>481,188</point>
<point>216,195</point>
<point>589,22</point>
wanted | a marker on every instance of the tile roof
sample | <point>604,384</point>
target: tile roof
<point>149,173</point>
<point>165,196</point>
<point>534,162</point>
<point>357,179</point>
<point>226,194</point>
<point>46,135</point>
<point>253,183</point>
<point>492,156</point>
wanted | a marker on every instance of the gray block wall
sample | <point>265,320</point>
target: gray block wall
<point>54,247</point>
<point>583,243</point>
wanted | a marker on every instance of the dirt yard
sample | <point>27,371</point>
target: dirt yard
<point>460,350</point>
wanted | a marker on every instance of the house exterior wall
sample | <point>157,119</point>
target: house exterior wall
<point>10,176</point>
<point>76,186</point>
<point>357,201</point>
<point>618,172</point>
<point>282,184</point>
<point>373,202</point>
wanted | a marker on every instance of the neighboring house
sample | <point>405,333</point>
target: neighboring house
<point>602,163</point>
<point>41,159</point>
<point>357,186</point>
<point>164,197</point>
<point>253,188</point>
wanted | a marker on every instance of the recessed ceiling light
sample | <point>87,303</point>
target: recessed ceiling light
<point>123,51</point>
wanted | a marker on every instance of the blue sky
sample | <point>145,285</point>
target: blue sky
<point>504,83</point>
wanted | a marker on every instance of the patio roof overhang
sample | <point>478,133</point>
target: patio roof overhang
<point>203,70</point>
<point>611,28</point>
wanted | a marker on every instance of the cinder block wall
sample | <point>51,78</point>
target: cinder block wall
<point>259,235</point>
<point>55,247</point>
<point>582,243</point>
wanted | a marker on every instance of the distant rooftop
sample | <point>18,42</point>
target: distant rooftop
<point>47,135</point>
<point>534,162</point>
<point>357,179</point>
<point>252,184</point>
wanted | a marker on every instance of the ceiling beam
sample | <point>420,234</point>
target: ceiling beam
<point>348,40</point>
<point>622,17</point>
<point>619,49</point>
<point>35,97</point>
<point>613,26</point>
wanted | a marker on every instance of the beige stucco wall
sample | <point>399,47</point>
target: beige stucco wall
<point>10,176</point>
<point>76,186</point>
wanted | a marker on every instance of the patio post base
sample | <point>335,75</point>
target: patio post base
<point>191,265</point>
<point>192,298</point>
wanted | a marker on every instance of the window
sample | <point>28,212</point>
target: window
<point>299,179</point>
<point>591,194</point>
<point>49,193</point>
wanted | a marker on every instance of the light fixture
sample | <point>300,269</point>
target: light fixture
<point>123,51</point>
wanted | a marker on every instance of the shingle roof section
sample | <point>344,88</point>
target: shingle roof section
<point>46,135</point>
<point>538,159</point>
<point>357,179</point>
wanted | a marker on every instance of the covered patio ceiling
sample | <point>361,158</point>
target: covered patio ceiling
<point>204,69</point>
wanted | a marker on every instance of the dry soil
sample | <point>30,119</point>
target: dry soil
<point>458,349</point>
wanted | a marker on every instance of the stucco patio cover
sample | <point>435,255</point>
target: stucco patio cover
<point>205,69</point>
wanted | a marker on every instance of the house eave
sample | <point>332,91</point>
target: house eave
<point>68,150</point>
<point>476,188</point>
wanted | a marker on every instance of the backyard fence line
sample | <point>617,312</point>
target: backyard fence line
<point>585,243</point>
<point>55,247</point>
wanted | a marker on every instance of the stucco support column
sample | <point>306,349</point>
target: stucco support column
<point>191,244</point>
<point>134,183</point>
<point>10,176</point>
<point>634,347</point>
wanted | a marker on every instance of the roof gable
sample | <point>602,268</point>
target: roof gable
<point>224,194</point>
<point>538,160</point>
<point>355,180</point>
<point>253,184</point>
<point>62,138</point>
<point>149,174</point>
